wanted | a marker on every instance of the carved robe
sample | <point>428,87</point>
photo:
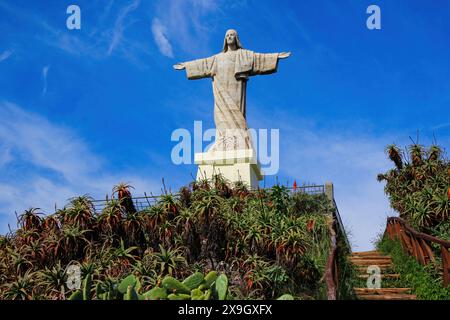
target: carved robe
<point>230,72</point>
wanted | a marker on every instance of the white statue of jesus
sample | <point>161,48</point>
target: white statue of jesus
<point>230,71</point>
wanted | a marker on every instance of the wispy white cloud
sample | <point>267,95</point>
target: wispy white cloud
<point>159,34</point>
<point>185,23</point>
<point>105,37</point>
<point>440,126</point>
<point>119,25</point>
<point>42,164</point>
<point>44,77</point>
<point>5,155</point>
<point>5,55</point>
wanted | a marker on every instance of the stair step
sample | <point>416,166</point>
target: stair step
<point>363,268</point>
<point>374,252</point>
<point>383,276</point>
<point>371,262</point>
<point>381,291</point>
<point>371,257</point>
<point>387,297</point>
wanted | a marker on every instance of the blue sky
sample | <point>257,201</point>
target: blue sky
<point>81,110</point>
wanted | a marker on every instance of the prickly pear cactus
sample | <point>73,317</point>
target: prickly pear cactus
<point>76,295</point>
<point>172,285</point>
<point>221,287</point>
<point>87,283</point>
<point>194,280</point>
<point>179,296</point>
<point>156,293</point>
<point>125,283</point>
<point>210,278</point>
<point>131,294</point>
<point>286,297</point>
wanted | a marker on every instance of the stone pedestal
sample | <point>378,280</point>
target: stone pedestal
<point>233,165</point>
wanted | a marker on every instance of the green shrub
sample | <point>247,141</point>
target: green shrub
<point>425,281</point>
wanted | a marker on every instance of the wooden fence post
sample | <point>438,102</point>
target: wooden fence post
<point>446,265</point>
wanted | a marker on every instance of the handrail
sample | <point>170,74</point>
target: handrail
<point>415,244</point>
<point>337,232</point>
<point>418,234</point>
<point>341,225</point>
<point>331,271</point>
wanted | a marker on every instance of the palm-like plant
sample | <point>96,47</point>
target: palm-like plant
<point>124,195</point>
<point>50,224</point>
<point>207,207</point>
<point>53,280</point>
<point>395,154</point>
<point>80,211</point>
<point>132,227</point>
<point>170,205</point>
<point>70,242</point>
<point>21,288</point>
<point>124,253</point>
<point>169,261</point>
<point>417,190</point>
<point>111,218</point>
<point>19,261</point>
<point>30,219</point>
<point>417,153</point>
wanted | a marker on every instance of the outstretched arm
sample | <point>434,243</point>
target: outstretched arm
<point>267,63</point>
<point>197,69</point>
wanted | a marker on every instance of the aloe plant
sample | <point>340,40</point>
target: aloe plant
<point>260,239</point>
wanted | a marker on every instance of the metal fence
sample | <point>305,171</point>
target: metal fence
<point>140,203</point>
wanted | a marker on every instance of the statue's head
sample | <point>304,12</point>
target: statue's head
<point>231,38</point>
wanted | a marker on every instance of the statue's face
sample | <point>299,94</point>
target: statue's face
<point>231,37</point>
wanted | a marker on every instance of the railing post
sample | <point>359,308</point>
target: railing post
<point>416,244</point>
<point>446,265</point>
<point>429,257</point>
<point>329,191</point>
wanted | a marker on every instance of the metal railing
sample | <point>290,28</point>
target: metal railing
<point>140,203</point>
<point>313,189</point>
<point>338,233</point>
<point>341,225</point>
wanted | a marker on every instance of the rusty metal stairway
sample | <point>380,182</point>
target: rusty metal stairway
<point>361,261</point>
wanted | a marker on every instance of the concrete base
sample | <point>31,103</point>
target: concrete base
<point>233,165</point>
